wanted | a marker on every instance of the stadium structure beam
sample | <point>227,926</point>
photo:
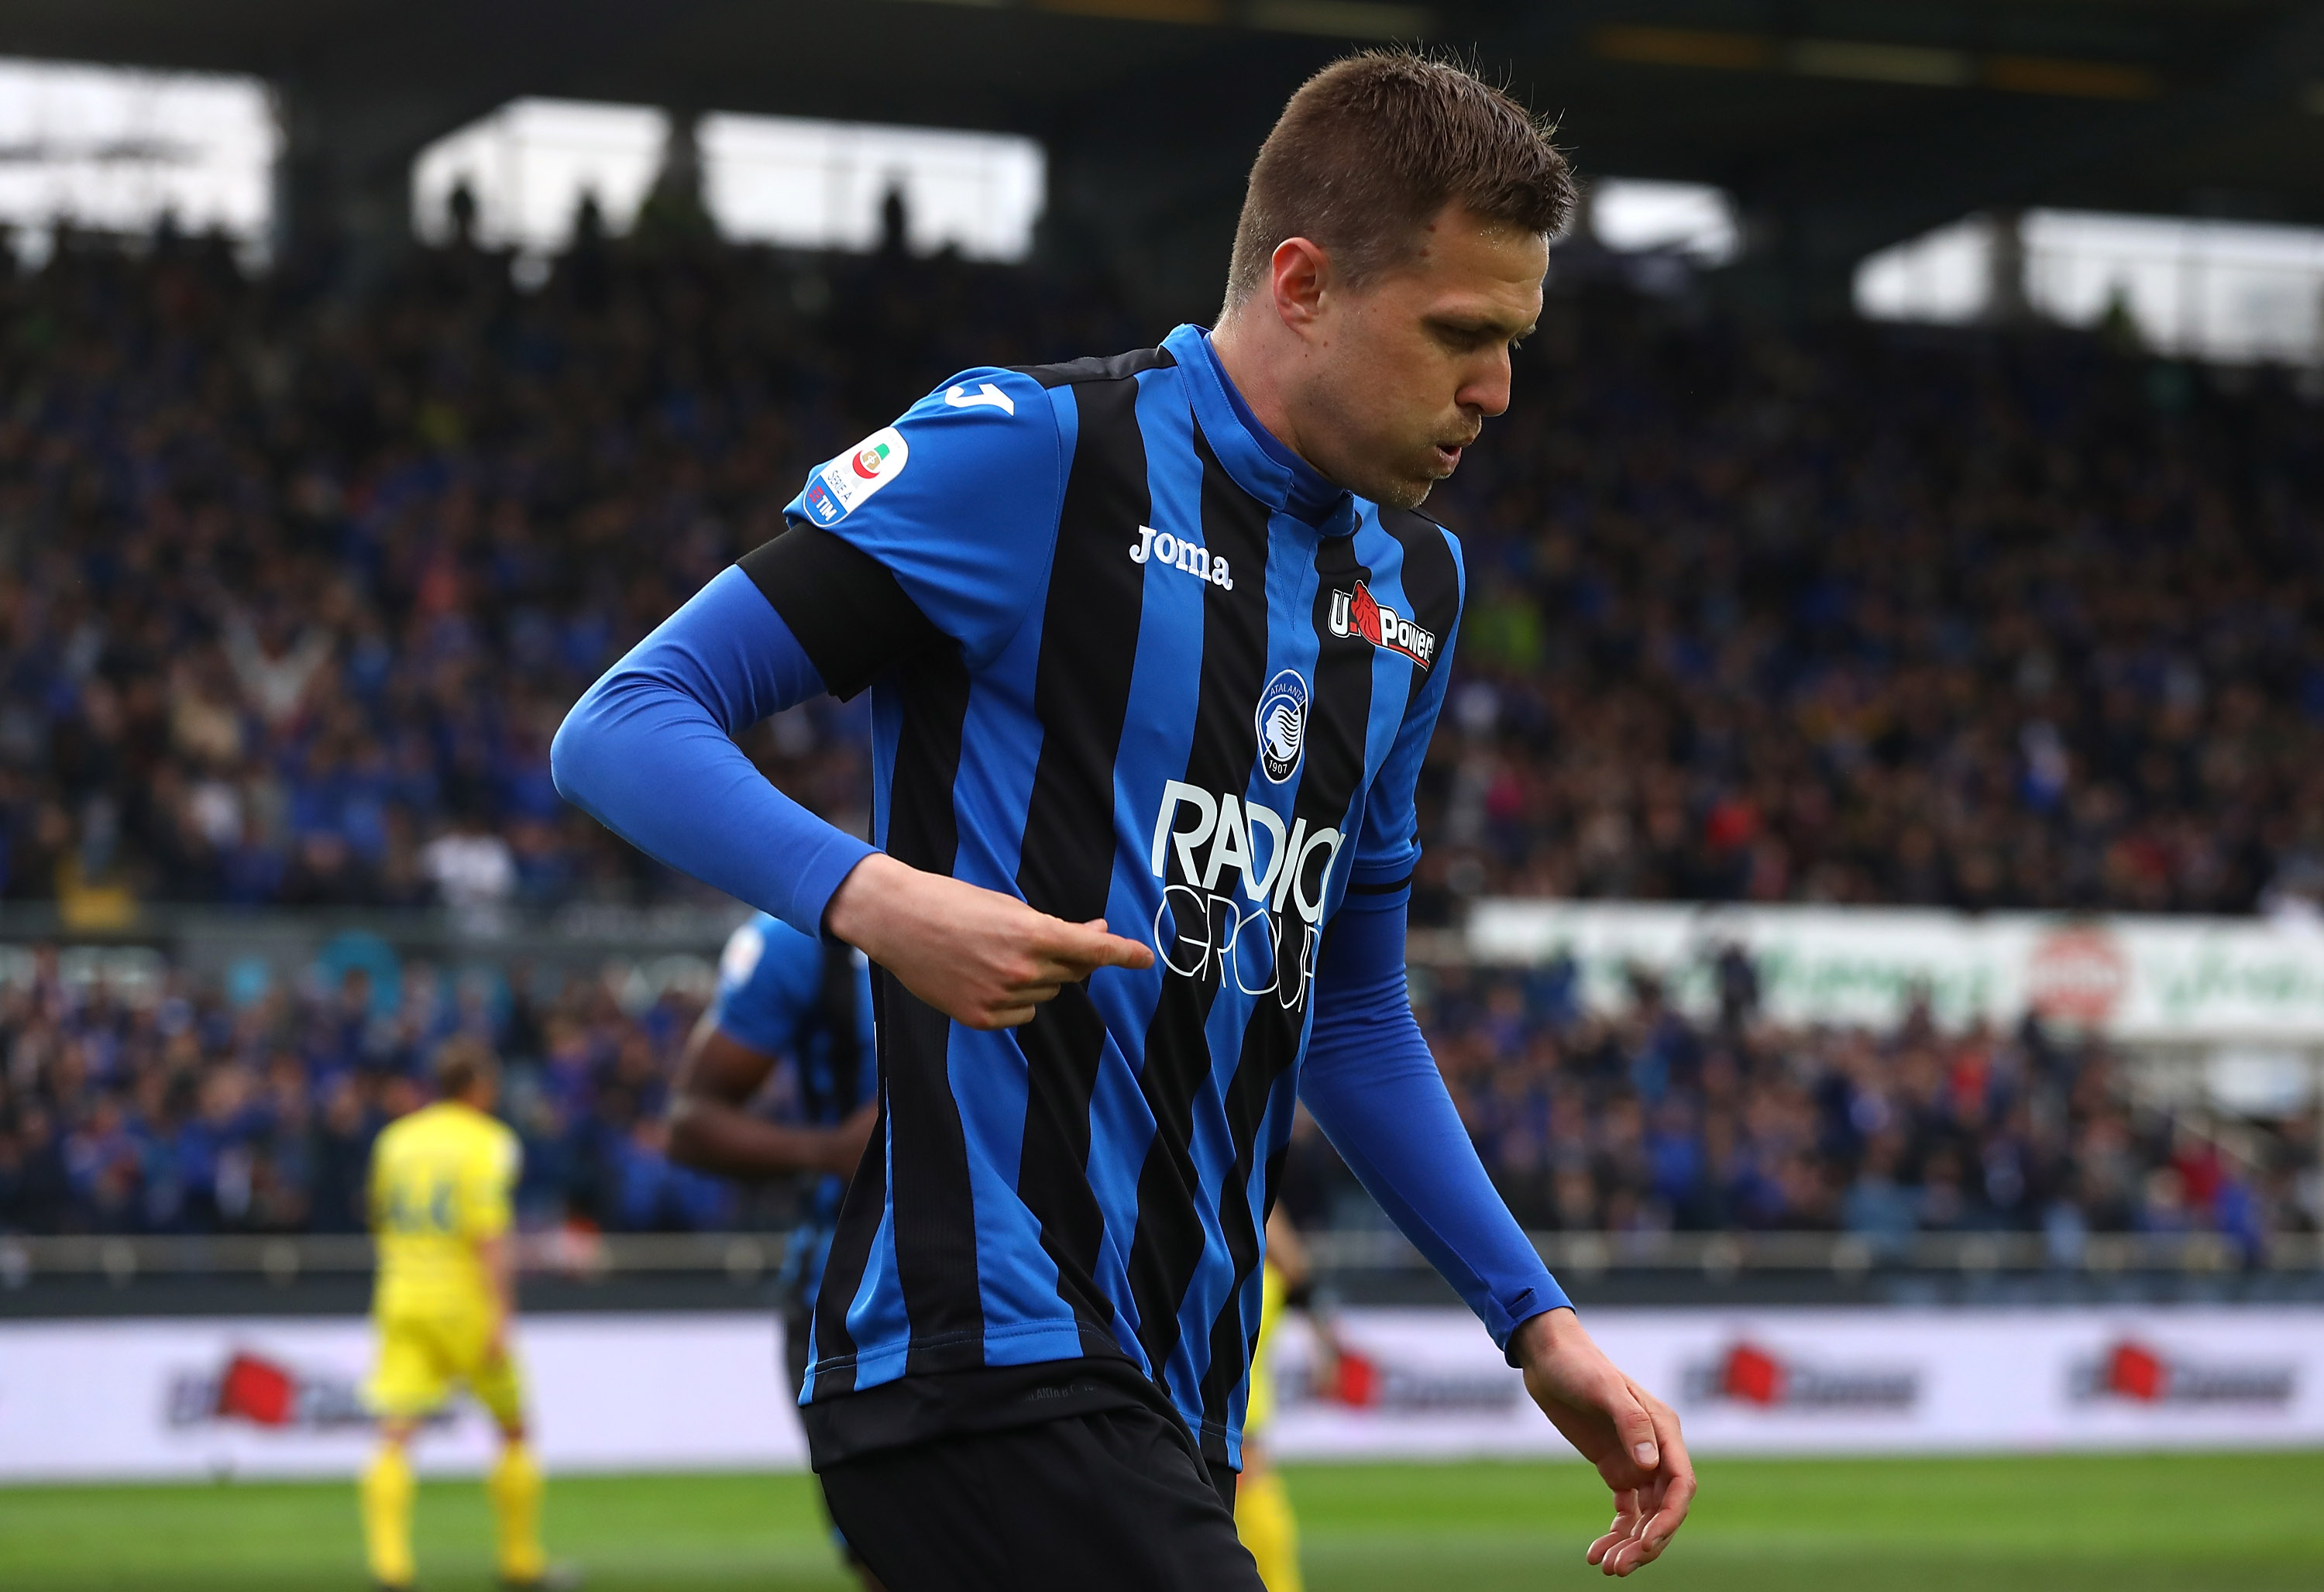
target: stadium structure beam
<point>1811,217</point>
<point>343,182</point>
<point>1160,215</point>
<point>360,101</point>
<point>1903,119</point>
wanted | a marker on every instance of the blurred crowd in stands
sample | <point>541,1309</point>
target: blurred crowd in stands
<point>169,1105</point>
<point>295,585</point>
<point>1888,616</point>
<point>174,1109</point>
<point>1651,1120</point>
<point>294,592</point>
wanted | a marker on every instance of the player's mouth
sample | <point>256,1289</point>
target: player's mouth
<point>1448,456</point>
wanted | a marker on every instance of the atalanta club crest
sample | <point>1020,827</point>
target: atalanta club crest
<point>1282,724</point>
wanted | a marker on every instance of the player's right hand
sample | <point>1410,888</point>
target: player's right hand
<point>983,958</point>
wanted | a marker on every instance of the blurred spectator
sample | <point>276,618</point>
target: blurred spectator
<point>294,593</point>
<point>175,1109</point>
<point>291,583</point>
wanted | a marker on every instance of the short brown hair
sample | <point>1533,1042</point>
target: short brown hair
<point>460,1063</point>
<point>1374,145</point>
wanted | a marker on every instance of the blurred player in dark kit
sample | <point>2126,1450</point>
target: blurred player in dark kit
<point>784,998</point>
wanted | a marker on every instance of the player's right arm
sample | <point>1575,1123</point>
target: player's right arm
<point>935,532</point>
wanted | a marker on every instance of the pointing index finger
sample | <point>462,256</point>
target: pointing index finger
<point>1081,948</point>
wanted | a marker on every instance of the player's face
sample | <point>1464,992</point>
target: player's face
<point>1411,364</point>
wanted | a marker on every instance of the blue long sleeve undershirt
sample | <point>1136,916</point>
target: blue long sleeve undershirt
<point>647,753</point>
<point>1371,1085</point>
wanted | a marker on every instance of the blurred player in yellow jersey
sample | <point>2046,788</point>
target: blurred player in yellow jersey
<point>1263,1517</point>
<point>440,1182</point>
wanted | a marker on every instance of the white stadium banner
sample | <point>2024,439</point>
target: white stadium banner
<point>1835,1381</point>
<point>279,1397</point>
<point>2140,980</point>
<point>89,1400</point>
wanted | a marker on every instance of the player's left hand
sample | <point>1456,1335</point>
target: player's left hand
<point>1630,1435</point>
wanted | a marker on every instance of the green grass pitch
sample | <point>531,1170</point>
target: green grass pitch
<point>2248,1522</point>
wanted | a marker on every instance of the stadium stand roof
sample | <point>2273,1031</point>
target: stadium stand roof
<point>1839,128</point>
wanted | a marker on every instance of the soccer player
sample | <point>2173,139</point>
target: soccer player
<point>1155,643</point>
<point>440,1180</point>
<point>783,995</point>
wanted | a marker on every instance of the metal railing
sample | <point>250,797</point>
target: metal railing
<point>122,1259</point>
<point>1843,1255</point>
<point>744,1257</point>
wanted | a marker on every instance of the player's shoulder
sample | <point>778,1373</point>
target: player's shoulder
<point>973,445</point>
<point>503,1150</point>
<point>744,949</point>
<point>448,1125</point>
<point>403,1130</point>
<point>1430,566</point>
<point>989,399</point>
<point>481,1141</point>
<point>1110,367</point>
<point>762,951</point>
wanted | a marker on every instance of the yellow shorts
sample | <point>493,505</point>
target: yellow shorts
<point>422,1359</point>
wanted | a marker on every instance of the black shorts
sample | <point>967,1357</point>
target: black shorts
<point>1115,1499</point>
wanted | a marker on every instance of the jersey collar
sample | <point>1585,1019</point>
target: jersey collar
<point>1260,464</point>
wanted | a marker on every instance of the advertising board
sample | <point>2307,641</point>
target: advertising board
<point>2146,980</point>
<point>91,1400</point>
<point>1832,1381</point>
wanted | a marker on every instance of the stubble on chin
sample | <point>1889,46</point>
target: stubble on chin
<point>1405,492</point>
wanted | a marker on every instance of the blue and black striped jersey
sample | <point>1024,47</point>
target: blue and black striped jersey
<point>808,1002</point>
<point>1129,659</point>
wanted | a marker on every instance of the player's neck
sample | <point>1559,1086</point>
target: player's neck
<point>1256,369</point>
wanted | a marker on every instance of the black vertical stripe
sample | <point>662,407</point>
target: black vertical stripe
<point>1168,1243</point>
<point>838,1009</point>
<point>851,1238</point>
<point>1339,727</point>
<point>932,1199</point>
<point>1081,697</point>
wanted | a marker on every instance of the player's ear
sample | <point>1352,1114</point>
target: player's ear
<point>1298,276</point>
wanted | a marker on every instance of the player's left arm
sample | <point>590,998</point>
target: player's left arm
<point>1372,1086</point>
<point>1375,1089</point>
